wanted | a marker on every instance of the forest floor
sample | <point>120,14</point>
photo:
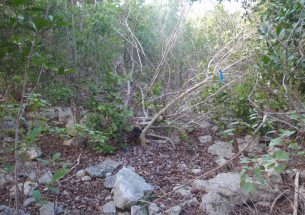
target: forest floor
<point>159,164</point>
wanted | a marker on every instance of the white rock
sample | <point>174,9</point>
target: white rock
<point>129,188</point>
<point>46,178</point>
<point>86,178</point>
<point>191,202</point>
<point>108,209</point>
<point>176,210</point>
<point>34,152</point>
<point>214,204</point>
<point>205,139</point>
<point>137,210</point>
<point>221,149</point>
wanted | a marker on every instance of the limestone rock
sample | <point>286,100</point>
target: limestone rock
<point>221,149</point>
<point>129,188</point>
<point>214,204</point>
<point>254,146</point>
<point>100,170</point>
<point>108,209</point>
<point>176,210</point>
<point>205,139</point>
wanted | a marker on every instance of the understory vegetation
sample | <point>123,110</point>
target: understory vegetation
<point>107,74</point>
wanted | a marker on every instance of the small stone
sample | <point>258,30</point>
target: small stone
<point>183,191</point>
<point>86,178</point>
<point>215,128</point>
<point>205,139</point>
<point>108,174</point>
<point>46,178</point>
<point>220,161</point>
<point>153,209</point>
<point>28,202</point>
<point>137,210</point>
<point>80,173</point>
<point>65,193</point>
<point>196,171</point>
<point>34,152</point>
<point>107,198</point>
<point>109,182</point>
<point>70,142</point>
<point>108,209</point>
<point>47,209</point>
<point>263,204</point>
<point>100,170</point>
<point>176,210</point>
<point>77,198</point>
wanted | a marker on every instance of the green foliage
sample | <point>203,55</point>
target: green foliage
<point>58,94</point>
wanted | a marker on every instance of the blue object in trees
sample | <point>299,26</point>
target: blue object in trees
<point>221,76</point>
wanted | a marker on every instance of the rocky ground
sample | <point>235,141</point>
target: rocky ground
<point>125,183</point>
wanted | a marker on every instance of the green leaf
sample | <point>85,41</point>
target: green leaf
<point>37,195</point>
<point>279,169</point>
<point>286,133</point>
<point>248,187</point>
<point>279,28</point>
<point>275,142</point>
<point>59,174</point>
<point>53,189</point>
<point>265,59</point>
<point>56,156</point>
<point>282,155</point>
<point>45,162</point>
<point>17,2</point>
<point>8,167</point>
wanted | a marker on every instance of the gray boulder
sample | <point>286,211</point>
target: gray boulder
<point>28,188</point>
<point>253,148</point>
<point>100,170</point>
<point>214,204</point>
<point>221,149</point>
<point>129,188</point>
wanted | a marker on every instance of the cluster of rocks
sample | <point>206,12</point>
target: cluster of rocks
<point>128,188</point>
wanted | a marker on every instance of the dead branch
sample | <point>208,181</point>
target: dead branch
<point>296,193</point>
<point>163,137</point>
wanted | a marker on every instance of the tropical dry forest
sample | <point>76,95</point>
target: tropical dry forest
<point>150,107</point>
